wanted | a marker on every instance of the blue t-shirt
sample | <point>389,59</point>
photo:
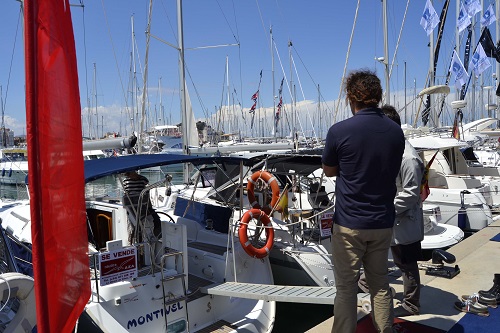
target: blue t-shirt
<point>368,149</point>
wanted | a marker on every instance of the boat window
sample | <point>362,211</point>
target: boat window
<point>208,176</point>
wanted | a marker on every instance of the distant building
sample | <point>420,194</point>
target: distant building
<point>6,137</point>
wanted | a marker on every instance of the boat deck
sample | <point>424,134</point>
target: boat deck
<point>478,260</point>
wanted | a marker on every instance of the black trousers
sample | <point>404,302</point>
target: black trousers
<point>405,257</point>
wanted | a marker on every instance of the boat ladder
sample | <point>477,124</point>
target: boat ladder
<point>270,292</point>
<point>167,299</point>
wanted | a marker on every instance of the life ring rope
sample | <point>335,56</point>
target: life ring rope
<point>251,250</point>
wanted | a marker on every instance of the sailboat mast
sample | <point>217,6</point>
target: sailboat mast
<point>134,78</point>
<point>145,84</point>
<point>95,96</point>
<point>292,104</point>
<point>182,78</point>
<point>386,54</point>
<point>432,79</point>
<point>319,119</point>
<point>272,74</point>
<point>497,65</point>
<point>230,118</point>
<point>162,116</point>
<point>4,141</point>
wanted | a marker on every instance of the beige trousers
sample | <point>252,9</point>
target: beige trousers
<point>352,248</point>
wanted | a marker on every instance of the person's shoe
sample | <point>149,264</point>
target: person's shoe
<point>401,311</point>
<point>362,290</point>
<point>470,307</point>
<point>476,298</point>
<point>493,294</point>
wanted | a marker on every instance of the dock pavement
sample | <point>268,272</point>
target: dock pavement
<point>478,259</point>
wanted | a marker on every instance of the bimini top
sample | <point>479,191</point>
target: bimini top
<point>95,169</point>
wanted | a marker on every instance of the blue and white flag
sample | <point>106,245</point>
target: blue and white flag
<point>429,18</point>
<point>463,20</point>
<point>458,69</point>
<point>488,17</point>
<point>472,6</point>
<point>479,61</point>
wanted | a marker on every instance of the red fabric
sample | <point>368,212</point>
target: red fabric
<point>56,179</point>
<point>425,191</point>
<point>424,186</point>
<point>365,325</point>
<point>456,132</point>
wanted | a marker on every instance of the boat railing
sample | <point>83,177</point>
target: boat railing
<point>441,132</point>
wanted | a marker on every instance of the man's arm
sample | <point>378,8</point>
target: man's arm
<point>331,171</point>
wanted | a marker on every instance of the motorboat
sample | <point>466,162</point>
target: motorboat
<point>438,235</point>
<point>452,188</point>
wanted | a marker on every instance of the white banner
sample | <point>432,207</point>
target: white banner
<point>458,69</point>
<point>479,61</point>
<point>488,17</point>
<point>429,18</point>
<point>472,7</point>
<point>463,19</point>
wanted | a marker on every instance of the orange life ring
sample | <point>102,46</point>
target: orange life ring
<point>272,182</point>
<point>242,233</point>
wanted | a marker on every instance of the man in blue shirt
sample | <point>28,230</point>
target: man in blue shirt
<point>365,153</point>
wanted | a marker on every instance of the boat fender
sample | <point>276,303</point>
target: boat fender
<point>273,184</point>
<point>263,218</point>
<point>20,286</point>
<point>3,172</point>
<point>10,172</point>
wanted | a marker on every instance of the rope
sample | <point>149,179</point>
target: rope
<point>346,61</point>
<point>8,295</point>
<point>85,59</point>
<point>304,99</point>
<point>11,60</point>
<point>116,59</point>
<point>399,38</point>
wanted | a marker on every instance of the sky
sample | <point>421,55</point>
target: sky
<point>319,31</point>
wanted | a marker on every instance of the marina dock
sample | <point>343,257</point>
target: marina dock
<point>478,258</point>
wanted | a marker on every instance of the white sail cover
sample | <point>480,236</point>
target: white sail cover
<point>190,130</point>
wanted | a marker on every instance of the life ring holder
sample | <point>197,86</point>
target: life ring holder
<point>273,184</point>
<point>242,233</point>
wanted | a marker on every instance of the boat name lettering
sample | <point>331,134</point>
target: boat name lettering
<point>149,317</point>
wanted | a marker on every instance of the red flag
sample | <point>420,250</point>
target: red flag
<point>54,137</point>
<point>424,185</point>
<point>252,109</point>
<point>455,132</point>
<point>255,96</point>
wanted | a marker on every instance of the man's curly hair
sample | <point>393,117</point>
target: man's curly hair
<point>363,86</point>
